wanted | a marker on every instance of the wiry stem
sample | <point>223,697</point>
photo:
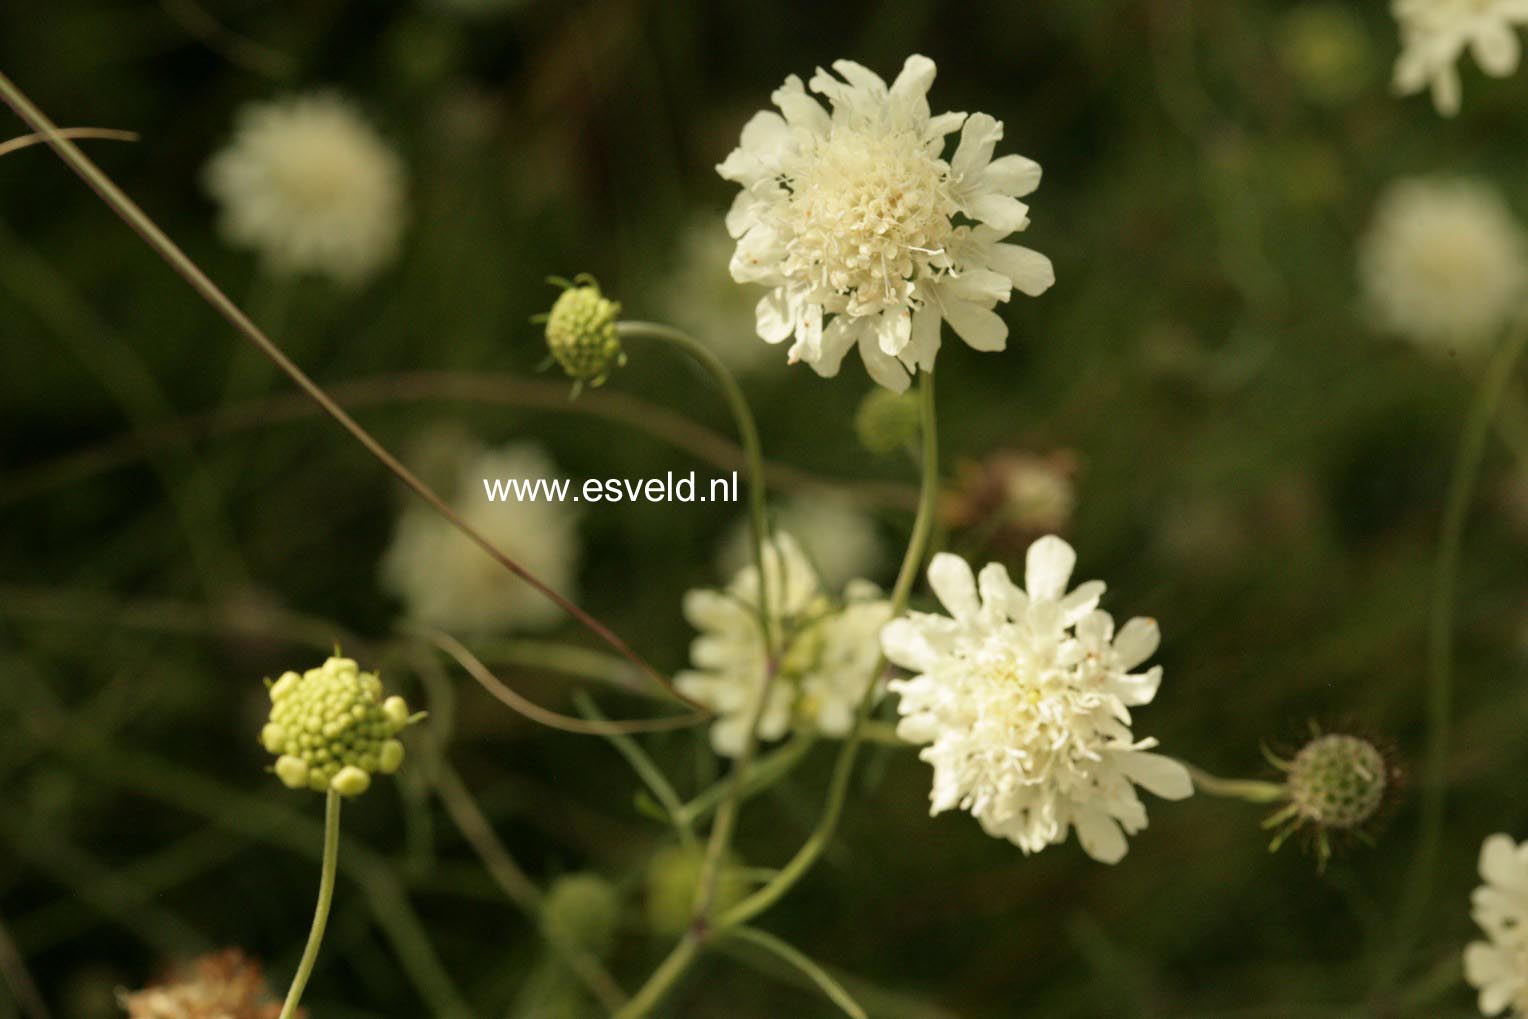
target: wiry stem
<point>321,911</point>
<point>843,769</point>
<point>1247,789</point>
<point>684,953</point>
<point>753,453</point>
<point>1440,648</point>
<point>135,217</point>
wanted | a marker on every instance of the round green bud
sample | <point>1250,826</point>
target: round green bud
<point>673,878</point>
<point>350,781</point>
<point>293,771</point>
<point>581,333</point>
<point>583,910</point>
<point>1338,781</point>
<point>331,729</point>
<point>886,421</point>
<point>390,758</point>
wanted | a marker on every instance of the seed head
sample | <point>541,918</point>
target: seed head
<point>1336,786</point>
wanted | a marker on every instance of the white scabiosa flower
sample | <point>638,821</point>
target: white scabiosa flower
<point>866,235</point>
<point>445,580</point>
<point>1434,33</point>
<point>1023,697</point>
<point>839,539</point>
<point>828,658</point>
<point>1498,966</point>
<point>1443,262</point>
<point>310,185</point>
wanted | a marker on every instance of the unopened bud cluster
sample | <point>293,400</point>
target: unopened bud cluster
<point>581,332</point>
<point>331,729</point>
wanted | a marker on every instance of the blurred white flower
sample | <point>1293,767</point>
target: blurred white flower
<point>1023,699</point>
<point>839,539</point>
<point>445,580</point>
<point>1443,262</point>
<point>1434,33</point>
<point>853,214</point>
<point>699,296</point>
<point>1498,966</point>
<point>310,185</point>
<point>830,651</point>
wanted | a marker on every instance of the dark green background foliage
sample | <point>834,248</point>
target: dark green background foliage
<point>1259,472</point>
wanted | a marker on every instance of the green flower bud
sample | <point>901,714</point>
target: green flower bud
<point>330,729</point>
<point>673,878</point>
<point>583,910</point>
<point>886,421</point>
<point>581,333</point>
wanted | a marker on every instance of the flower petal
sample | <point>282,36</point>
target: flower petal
<point>951,579</point>
<point>1047,567</point>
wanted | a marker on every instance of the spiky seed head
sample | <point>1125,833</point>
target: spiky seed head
<point>1338,781</point>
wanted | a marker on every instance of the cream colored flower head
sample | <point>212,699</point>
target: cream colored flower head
<point>1022,700</point>
<point>444,579</point>
<point>1498,966</point>
<point>827,663</point>
<point>1444,263</point>
<point>866,235</point>
<point>308,184</point>
<point>1435,33</point>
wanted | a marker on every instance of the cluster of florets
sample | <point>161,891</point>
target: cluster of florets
<point>331,729</point>
<point>581,332</point>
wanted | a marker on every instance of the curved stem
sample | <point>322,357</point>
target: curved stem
<point>725,825</point>
<point>130,213</point>
<point>1247,789</point>
<point>321,912</point>
<point>1440,647</point>
<point>792,956</point>
<point>663,978</point>
<point>683,953</point>
<point>748,433</point>
<point>843,769</point>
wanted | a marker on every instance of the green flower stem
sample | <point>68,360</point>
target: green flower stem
<point>767,770</point>
<point>684,953</point>
<point>1440,649</point>
<point>321,912</point>
<point>726,814</point>
<point>646,768</point>
<point>792,956</point>
<point>1249,790</point>
<point>518,887</point>
<point>725,825</point>
<point>664,977</point>
<point>912,563</point>
<point>748,433</point>
<point>157,240</point>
